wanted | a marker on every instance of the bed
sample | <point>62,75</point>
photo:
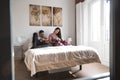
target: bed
<point>50,58</point>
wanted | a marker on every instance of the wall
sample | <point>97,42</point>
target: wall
<point>20,18</point>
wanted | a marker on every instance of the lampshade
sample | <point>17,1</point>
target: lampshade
<point>19,39</point>
<point>69,39</point>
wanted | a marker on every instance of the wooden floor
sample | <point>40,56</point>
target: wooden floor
<point>92,69</point>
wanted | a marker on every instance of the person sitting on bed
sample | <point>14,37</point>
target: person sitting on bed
<point>55,38</point>
<point>36,42</point>
<point>43,41</point>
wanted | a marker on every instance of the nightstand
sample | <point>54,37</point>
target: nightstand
<point>18,52</point>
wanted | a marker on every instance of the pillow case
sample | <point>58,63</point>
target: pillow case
<point>27,44</point>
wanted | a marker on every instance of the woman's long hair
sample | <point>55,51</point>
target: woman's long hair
<point>59,33</point>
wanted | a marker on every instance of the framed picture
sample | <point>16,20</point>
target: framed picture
<point>46,16</point>
<point>57,16</point>
<point>34,15</point>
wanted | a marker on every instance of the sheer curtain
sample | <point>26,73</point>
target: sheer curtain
<point>92,19</point>
<point>79,23</point>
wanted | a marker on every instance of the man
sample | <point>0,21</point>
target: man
<point>43,40</point>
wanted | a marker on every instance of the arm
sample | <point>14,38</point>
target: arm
<point>44,40</point>
<point>50,39</point>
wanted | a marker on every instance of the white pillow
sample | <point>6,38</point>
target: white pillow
<point>27,44</point>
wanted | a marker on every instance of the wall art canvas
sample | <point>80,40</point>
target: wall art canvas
<point>34,15</point>
<point>46,16</point>
<point>57,16</point>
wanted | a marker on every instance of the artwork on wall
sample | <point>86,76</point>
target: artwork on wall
<point>34,15</point>
<point>57,16</point>
<point>46,16</point>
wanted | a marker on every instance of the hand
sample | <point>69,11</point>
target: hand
<point>59,39</point>
<point>46,40</point>
<point>43,39</point>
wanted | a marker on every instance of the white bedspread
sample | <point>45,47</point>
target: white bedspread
<point>48,58</point>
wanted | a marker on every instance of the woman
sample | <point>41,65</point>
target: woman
<point>55,38</point>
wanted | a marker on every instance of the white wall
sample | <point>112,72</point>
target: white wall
<point>20,18</point>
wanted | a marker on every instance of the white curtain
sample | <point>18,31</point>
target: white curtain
<point>83,29</point>
<point>79,23</point>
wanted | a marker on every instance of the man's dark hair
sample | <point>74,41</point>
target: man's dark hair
<point>41,31</point>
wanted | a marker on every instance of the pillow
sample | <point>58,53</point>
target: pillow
<point>27,44</point>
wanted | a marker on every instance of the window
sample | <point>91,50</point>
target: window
<point>107,19</point>
<point>95,20</point>
<point>99,20</point>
